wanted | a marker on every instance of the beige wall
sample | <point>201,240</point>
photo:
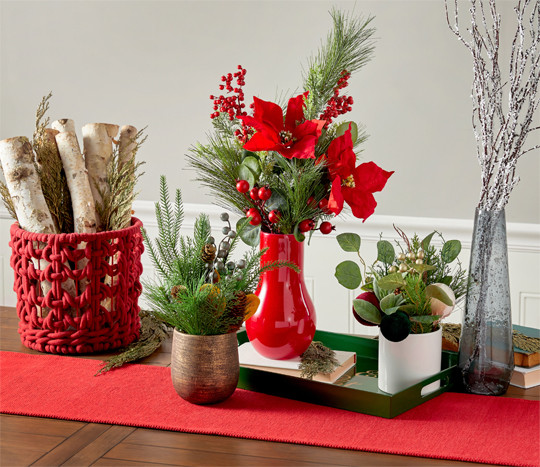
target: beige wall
<point>155,63</point>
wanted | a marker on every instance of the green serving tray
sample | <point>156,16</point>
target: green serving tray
<point>361,396</point>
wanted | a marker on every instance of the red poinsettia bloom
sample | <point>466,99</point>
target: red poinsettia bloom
<point>292,137</point>
<point>350,184</point>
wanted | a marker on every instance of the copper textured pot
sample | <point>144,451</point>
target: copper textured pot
<point>204,369</point>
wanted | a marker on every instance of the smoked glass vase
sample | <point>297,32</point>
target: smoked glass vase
<point>486,358</point>
<point>284,324</point>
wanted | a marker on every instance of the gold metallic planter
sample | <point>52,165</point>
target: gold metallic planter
<point>204,369</point>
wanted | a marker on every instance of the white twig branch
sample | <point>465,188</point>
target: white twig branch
<point>501,134</point>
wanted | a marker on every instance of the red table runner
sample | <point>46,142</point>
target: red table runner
<point>452,426</point>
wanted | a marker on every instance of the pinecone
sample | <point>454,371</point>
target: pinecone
<point>238,307</point>
<point>208,253</point>
<point>175,291</point>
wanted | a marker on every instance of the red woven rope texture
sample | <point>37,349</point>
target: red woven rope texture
<point>77,293</point>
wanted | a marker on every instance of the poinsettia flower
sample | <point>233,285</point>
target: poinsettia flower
<point>353,185</point>
<point>290,137</point>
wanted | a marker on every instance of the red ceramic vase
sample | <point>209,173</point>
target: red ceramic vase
<point>284,324</point>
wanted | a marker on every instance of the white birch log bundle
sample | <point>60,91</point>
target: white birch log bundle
<point>98,149</point>
<point>23,183</point>
<point>126,153</point>
<point>64,125</point>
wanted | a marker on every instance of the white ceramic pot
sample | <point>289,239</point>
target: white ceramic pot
<point>403,364</point>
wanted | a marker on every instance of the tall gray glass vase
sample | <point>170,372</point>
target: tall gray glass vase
<point>486,357</point>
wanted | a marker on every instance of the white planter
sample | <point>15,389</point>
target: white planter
<point>403,364</point>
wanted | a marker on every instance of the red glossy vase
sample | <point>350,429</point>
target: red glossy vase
<point>284,324</point>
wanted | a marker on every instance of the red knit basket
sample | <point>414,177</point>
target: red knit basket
<point>104,316</point>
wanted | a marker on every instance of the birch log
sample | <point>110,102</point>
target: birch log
<point>64,125</point>
<point>84,211</point>
<point>126,154</point>
<point>22,180</point>
<point>98,149</point>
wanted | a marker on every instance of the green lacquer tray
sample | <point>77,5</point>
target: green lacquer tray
<point>361,396</point>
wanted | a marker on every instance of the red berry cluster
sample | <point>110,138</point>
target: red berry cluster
<point>258,198</point>
<point>338,105</point>
<point>233,105</point>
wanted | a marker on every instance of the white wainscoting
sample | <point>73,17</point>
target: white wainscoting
<point>332,302</point>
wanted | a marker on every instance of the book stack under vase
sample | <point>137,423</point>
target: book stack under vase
<point>527,363</point>
<point>250,358</point>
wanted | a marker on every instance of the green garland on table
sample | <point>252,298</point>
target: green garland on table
<point>153,333</point>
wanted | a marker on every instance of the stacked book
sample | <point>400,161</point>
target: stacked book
<point>250,358</point>
<point>526,360</point>
<point>527,363</point>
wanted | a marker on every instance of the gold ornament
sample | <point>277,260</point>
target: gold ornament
<point>392,269</point>
<point>419,261</point>
<point>411,256</point>
<point>401,257</point>
<point>421,254</point>
<point>403,267</point>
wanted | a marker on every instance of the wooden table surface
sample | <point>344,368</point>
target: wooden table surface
<point>50,442</point>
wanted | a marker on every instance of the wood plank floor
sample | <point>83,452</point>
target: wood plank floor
<point>48,442</point>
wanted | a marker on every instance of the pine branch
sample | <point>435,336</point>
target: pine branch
<point>349,46</point>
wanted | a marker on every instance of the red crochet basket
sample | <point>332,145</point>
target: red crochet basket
<point>77,293</point>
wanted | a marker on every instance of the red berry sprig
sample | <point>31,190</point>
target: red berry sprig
<point>258,197</point>
<point>338,105</point>
<point>233,105</point>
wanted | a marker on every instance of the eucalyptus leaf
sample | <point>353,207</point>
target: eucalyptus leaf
<point>368,287</point>
<point>421,268</point>
<point>446,280</point>
<point>390,301</point>
<point>433,291</point>
<point>249,234</point>
<point>276,201</point>
<point>348,274</point>
<point>246,153</point>
<point>300,237</point>
<point>349,242</point>
<point>253,164</point>
<point>425,243</point>
<point>450,250</point>
<point>391,281</point>
<point>245,173</point>
<point>385,252</point>
<point>341,129</point>
<point>391,310</point>
<point>367,311</point>
<point>377,290</point>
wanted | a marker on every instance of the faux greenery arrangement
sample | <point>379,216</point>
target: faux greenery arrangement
<point>405,292</point>
<point>200,290</point>
<point>290,167</point>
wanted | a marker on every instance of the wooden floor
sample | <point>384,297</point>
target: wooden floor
<point>49,442</point>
